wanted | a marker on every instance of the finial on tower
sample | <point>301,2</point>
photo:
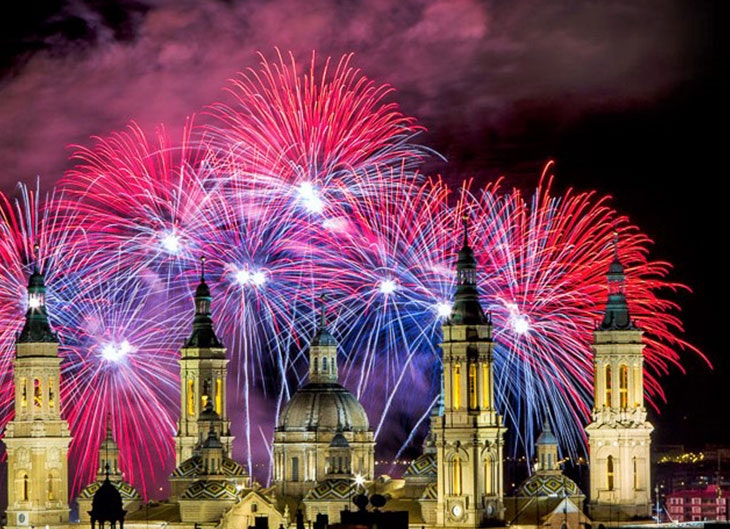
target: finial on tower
<point>36,254</point>
<point>202,269</point>
<point>322,321</point>
<point>464,222</point>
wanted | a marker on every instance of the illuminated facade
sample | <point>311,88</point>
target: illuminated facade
<point>619,435</point>
<point>37,438</point>
<point>468,433</point>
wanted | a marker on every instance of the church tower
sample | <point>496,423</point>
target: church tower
<point>619,434</point>
<point>468,431</point>
<point>203,365</point>
<point>38,437</point>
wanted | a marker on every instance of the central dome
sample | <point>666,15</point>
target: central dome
<point>323,406</point>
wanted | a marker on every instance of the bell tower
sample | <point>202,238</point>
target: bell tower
<point>203,365</point>
<point>619,435</point>
<point>468,431</point>
<point>38,437</point>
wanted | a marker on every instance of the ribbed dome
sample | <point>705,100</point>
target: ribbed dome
<point>318,406</point>
<point>194,467</point>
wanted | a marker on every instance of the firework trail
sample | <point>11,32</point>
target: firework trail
<point>314,129</point>
<point>138,200</point>
<point>120,361</point>
<point>263,284</point>
<point>388,258</point>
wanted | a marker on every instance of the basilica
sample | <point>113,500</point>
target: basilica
<point>323,449</point>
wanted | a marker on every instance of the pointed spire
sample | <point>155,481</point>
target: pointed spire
<point>323,352</point>
<point>36,328</point>
<point>616,315</point>
<point>466,309</point>
<point>203,334</point>
<point>323,337</point>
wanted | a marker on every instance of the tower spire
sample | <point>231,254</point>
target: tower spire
<point>323,351</point>
<point>616,315</point>
<point>466,309</point>
<point>467,431</point>
<point>36,327</point>
<point>203,334</point>
<point>202,378</point>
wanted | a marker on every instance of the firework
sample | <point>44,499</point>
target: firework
<point>120,352</point>
<point>304,185</point>
<point>138,201</point>
<point>315,129</point>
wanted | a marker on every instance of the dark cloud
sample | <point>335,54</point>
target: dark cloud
<point>469,70</point>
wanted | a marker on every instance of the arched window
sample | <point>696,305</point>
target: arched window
<point>623,386</point>
<point>218,396</point>
<point>50,393</point>
<point>486,404</point>
<point>316,365</point>
<point>609,473</point>
<point>37,395</point>
<point>51,495</point>
<point>456,476</point>
<point>473,386</point>
<point>608,386</point>
<point>24,392</point>
<point>488,477</point>
<point>636,473</point>
<point>295,469</point>
<point>456,387</point>
<point>191,397</point>
<point>324,364</point>
<point>24,487</point>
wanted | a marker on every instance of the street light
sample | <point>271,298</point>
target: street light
<point>359,480</point>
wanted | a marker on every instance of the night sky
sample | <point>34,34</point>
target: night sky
<point>628,97</point>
